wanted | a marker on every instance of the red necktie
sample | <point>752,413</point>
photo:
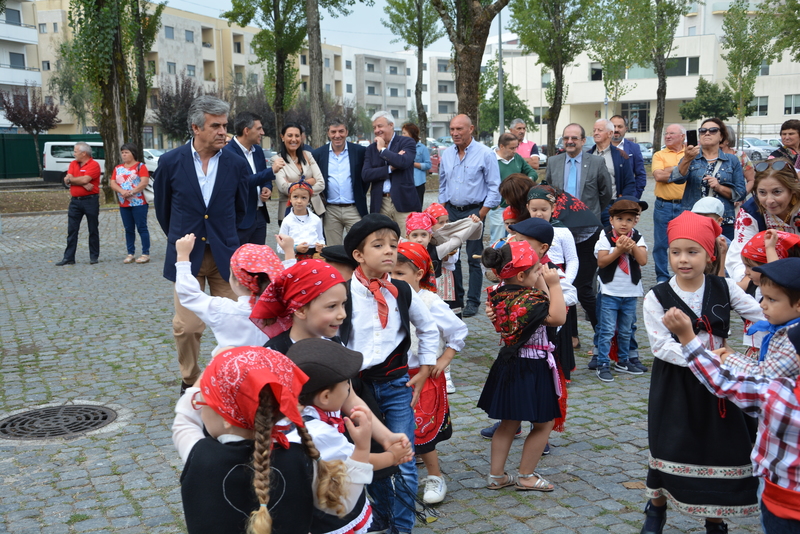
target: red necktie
<point>624,263</point>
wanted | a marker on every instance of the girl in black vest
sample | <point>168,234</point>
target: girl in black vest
<point>699,444</point>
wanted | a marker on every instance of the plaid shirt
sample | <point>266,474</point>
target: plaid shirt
<point>776,455</point>
<point>781,360</point>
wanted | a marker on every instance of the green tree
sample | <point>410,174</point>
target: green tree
<point>172,112</point>
<point>489,108</point>
<point>610,46</point>
<point>787,19</point>
<point>416,24</point>
<point>554,31</point>
<point>68,82</point>
<point>467,23</point>
<point>749,41</point>
<point>283,31</point>
<point>710,100</point>
<point>23,107</point>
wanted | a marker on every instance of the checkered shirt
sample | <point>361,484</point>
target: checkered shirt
<point>781,360</point>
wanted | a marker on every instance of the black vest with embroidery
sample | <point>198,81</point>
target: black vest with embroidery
<point>715,315</point>
<point>607,273</point>
<point>435,260</point>
<point>396,364</point>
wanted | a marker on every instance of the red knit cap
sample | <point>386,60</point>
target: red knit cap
<point>702,230</point>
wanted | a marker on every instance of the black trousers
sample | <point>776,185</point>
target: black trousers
<point>584,280</point>
<point>78,207</point>
<point>257,233</point>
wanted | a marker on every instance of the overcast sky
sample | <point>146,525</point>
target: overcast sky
<point>362,28</point>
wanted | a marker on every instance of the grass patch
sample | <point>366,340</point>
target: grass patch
<point>77,518</point>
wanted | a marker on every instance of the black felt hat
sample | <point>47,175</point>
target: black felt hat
<point>783,272</point>
<point>337,254</point>
<point>368,224</point>
<point>535,228</point>
<point>325,362</point>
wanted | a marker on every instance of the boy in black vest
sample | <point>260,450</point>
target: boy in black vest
<point>621,252</point>
<point>379,314</point>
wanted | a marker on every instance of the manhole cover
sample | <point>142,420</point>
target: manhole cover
<point>56,422</point>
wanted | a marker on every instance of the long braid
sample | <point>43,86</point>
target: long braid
<point>331,476</point>
<point>260,521</point>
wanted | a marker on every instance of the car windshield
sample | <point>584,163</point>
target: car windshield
<point>644,147</point>
<point>155,152</point>
<point>756,142</point>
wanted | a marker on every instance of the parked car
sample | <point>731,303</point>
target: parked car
<point>542,159</point>
<point>151,156</point>
<point>58,155</point>
<point>647,152</point>
<point>445,140</point>
<point>434,150</point>
<point>756,149</point>
<point>774,142</point>
<point>268,155</point>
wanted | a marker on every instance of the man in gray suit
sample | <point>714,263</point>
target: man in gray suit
<point>585,177</point>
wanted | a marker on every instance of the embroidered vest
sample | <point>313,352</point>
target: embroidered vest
<point>607,273</point>
<point>716,311</point>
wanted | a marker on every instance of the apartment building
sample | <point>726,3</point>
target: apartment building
<point>332,73</point>
<point>19,55</point>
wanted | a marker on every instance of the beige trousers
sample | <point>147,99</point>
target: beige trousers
<point>337,221</point>
<point>388,209</point>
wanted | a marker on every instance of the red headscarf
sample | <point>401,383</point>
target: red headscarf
<point>422,260</point>
<point>419,221</point>
<point>523,257</point>
<point>249,260</point>
<point>436,210</point>
<point>233,380</point>
<point>294,288</point>
<point>304,185</point>
<point>702,230</point>
<point>510,213</point>
<point>756,250</point>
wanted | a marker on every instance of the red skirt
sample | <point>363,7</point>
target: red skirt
<point>431,414</point>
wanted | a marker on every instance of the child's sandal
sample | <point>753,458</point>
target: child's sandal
<point>492,483</point>
<point>540,485</point>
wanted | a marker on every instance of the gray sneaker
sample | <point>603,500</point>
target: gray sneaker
<point>593,363</point>
<point>627,367</point>
<point>604,373</point>
<point>638,364</point>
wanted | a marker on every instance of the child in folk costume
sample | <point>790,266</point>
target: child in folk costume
<point>432,411</point>
<point>699,445</point>
<point>523,383</point>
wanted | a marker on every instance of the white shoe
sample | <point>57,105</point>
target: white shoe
<point>435,489</point>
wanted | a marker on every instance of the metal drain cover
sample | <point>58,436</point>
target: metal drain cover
<point>56,422</point>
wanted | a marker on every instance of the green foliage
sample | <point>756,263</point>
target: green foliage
<point>711,100</point>
<point>787,20</point>
<point>611,46</point>
<point>414,22</point>
<point>172,113</point>
<point>80,98</point>
<point>489,108</point>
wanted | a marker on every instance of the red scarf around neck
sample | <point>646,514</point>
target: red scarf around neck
<point>374,285</point>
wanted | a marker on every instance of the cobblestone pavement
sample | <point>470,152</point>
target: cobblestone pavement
<point>102,334</point>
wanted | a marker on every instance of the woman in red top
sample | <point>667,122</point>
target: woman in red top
<point>129,182</point>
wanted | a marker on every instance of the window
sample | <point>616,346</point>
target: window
<point>45,65</point>
<point>443,88</point>
<point>759,105</point>
<point>539,115</point>
<point>13,16</point>
<point>393,92</point>
<point>189,36</point>
<point>692,30</point>
<point>304,86</point>
<point>172,68</point>
<point>683,66</point>
<point>48,100</point>
<point>190,70</point>
<point>638,116</point>
<point>370,67</point>
<point>348,65</point>
<point>595,72</point>
<point>239,78</point>
<point>153,102</point>
<point>237,47</point>
<point>546,79</point>
<point>424,66</point>
<point>425,107</point>
<point>395,114</point>
<point>42,28</point>
<point>443,107</point>
<point>694,65</point>
<point>151,66</point>
<point>169,32</point>
<point>252,78</point>
<point>408,93</point>
<point>371,90</point>
<point>328,88</point>
<point>349,88</point>
<point>55,27</point>
<point>392,70</point>
<point>442,66</point>
<point>764,69</point>
<point>791,105</point>
<point>408,71</point>
<point>327,62</point>
<point>424,87</point>
<point>16,61</point>
<point>303,59</point>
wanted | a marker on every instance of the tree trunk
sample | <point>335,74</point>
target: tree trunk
<point>35,136</point>
<point>138,108</point>
<point>555,108</point>
<point>468,72</point>
<point>422,116</point>
<point>660,63</point>
<point>280,74</point>
<point>315,73</point>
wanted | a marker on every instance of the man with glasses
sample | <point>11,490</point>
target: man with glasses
<point>668,195</point>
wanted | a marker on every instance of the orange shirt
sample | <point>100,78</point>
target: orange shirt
<point>90,168</point>
<point>662,160</point>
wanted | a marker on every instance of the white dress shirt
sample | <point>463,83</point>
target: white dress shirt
<point>563,252</point>
<point>303,229</point>
<point>452,330</point>
<point>249,156</point>
<point>206,179</point>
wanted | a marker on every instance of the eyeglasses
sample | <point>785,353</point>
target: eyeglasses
<point>703,131</point>
<point>196,403</point>
<point>573,138</point>
<point>776,164</point>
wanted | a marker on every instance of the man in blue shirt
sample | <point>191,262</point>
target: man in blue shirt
<point>469,184</point>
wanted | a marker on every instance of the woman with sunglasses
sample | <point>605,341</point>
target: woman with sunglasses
<point>707,171</point>
<point>775,205</point>
<point>300,165</point>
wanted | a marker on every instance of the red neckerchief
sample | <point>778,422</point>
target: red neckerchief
<point>335,422</point>
<point>624,262</point>
<point>374,285</point>
<point>279,437</point>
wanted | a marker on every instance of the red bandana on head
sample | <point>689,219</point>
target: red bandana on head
<point>523,257</point>
<point>232,382</point>
<point>419,221</point>
<point>702,230</point>
<point>756,249</point>
<point>422,260</point>
<point>510,213</point>
<point>297,185</point>
<point>294,288</point>
<point>436,210</point>
<point>249,260</point>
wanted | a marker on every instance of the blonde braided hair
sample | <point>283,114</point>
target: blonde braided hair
<point>331,476</point>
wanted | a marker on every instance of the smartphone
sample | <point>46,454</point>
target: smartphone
<point>691,137</point>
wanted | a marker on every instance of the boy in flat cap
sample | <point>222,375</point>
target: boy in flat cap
<point>621,252</point>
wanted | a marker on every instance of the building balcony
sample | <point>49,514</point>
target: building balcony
<point>18,33</point>
<point>19,75</point>
<point>209,54</point>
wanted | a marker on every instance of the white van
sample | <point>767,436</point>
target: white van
<point>59,154</point>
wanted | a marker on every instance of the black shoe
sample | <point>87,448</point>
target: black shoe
<point>656,519</point>
<point>716,528</point>
<point>95,260</point>
<point>184,387</point>
<point>470,310</point>
<point>65,262</point>
<point>593,363</point>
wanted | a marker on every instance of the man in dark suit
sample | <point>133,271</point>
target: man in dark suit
<point>617,161</point>
<point>633,150</point>
<point>389,167</point>
<point>201,189</point>
<point>340,162</point>
<point>247,144</point>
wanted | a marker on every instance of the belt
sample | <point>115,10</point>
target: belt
<point>673,201</point>
<point>387,195</point>
<point>341,205</point>
<point>82,197</point>
<point>468,207</point>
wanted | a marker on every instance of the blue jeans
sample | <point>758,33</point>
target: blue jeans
<point>634,346</point>
<point>133,218</point>
<point>663,213</point>
<point>474,247</point>
<point>394,401</point>
<point>615,313</point>
<point>773,524</point>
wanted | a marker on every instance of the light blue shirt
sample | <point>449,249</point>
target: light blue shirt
<point>209,178</point>
<point>339,182</point>
<point>424,160</point>
<point>578,161</point>
<point>472,180</point>
<point>387,184</point>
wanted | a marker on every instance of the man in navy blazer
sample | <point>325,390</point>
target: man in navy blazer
<point>619,161</point>
<point>247,144</point>
<point>340,162</point>
<point>201,189</point>
<point>389,167</point>
<point>633,150</point>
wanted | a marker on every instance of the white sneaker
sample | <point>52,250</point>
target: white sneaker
<point>435,489</point>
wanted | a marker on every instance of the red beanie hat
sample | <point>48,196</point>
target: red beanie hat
<point>702,230</point>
